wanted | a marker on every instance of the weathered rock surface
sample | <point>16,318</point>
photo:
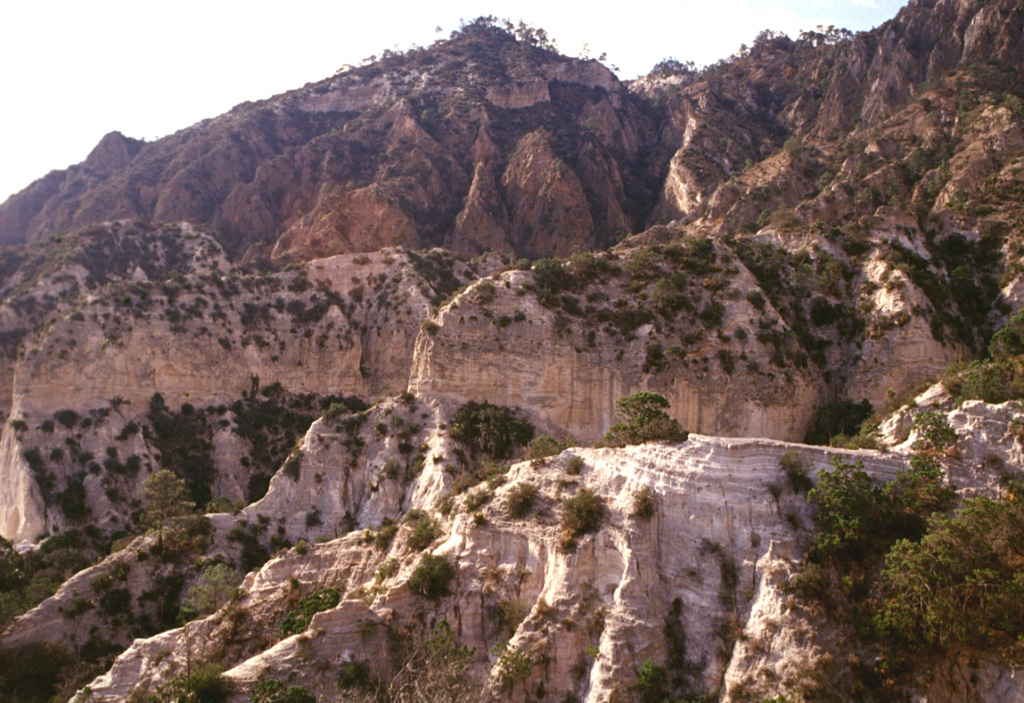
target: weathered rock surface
<point>497,343</point>
<point>589,616</point>
<point>381,155</point>
<point>812,221</point>
<point>337,326</point>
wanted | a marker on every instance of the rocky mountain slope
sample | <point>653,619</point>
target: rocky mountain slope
<point>339,316</point>
<point>702,580</point>
<point>480,143</point>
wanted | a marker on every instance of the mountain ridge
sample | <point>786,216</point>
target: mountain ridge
<point>877,70</point>
<point>389,307</point>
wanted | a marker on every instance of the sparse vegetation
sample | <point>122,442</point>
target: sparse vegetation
<point>582,513</point>
<point>520,499</point>
<point>297,620</point>
<point>644,420</point>
<point>431,577</point>
<point>796,467</point>
<point>644,503</point>
<point>273,691</point>
<point>877,226</point>
<point>205,684</point>
<point>423,529</point>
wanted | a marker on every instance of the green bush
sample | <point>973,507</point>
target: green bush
<point>68,418</point>
<point>991,381</point>
<point>494,430</point>
<point>934,431</point>
<point>644,420</point>
<point>475,500</point>
<point>213,590</point>
<point>387,569</point>
<point>445,504</point>
<point>962,585</point>
<point>292,466</point>
<point>810,582</point>
<point>837,419</point>
<point>77,607</point>
<point>72,500</point>
<point>31,673</point>
<point>116,601</point>
<point>850,510</point>
<point>1009,341</point>
<point>545,446</point>
<point>855,517</point>
<point>298,620</point>
<point>513,664</point>
<point>384,535</point>
<point>273,691</point>
<point>795,465</point>
<point>424,529</point>
<point>551,278</point>
<point>651,682</point>
<point>582,513</point>
<point>431,577</point>
<point>355,675</point>
<point>917,493</point>
<point>575,466</point>
<point>205,685</point>
<point>644,503</point>
<point>520,499</point>
<point>949,582</point>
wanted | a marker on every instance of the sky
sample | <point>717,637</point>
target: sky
<point>72,71</point>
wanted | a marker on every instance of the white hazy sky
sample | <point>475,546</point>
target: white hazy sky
<point>71,71</point>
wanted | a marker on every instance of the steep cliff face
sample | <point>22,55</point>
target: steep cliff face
<point>486,141</point>
<point>745,338</point>
<point>270,344</point>
<point>810,223</point>
<point>239,327</point>
<point>699,583</point>
<point>498,343</point>
<point>823,89</point>
<point>380,155</point>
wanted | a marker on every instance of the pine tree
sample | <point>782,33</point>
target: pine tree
<point>167,498</point>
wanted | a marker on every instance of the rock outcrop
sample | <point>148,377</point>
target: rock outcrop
<point>342,326</point>
<point>382,155</point>
<point>766,243</point>
<point>497,343</point>
<point>701,585</point>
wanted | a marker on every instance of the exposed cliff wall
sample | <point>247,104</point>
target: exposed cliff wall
<point>214,349</point>
<point>700,587</point>
<point>814,221</point>
<point>497,343</point>
<point>381,155</point>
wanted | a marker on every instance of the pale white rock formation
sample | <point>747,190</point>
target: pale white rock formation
<point>135,359</point>
<point>369,309</point>
<point>899,349</point>
<point>715,543</point>
<point>23,509</point>
<point>508,349</point>
<point>353,470</point>
<point>701,587</point>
